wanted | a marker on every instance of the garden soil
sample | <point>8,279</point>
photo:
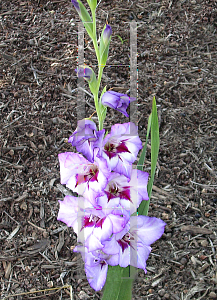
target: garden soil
<point>39,105</point>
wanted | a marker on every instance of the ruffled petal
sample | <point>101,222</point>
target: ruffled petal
<point>68,211</point>
<point>113,260</point>
<point>123,167</point>
<point>147,229</point>
<point>124,257</point>
<point>96,269</point>
<point>86,138</point>
<point>93,243</point>
<point>111,246</point>
<point>96,276</point>
<point>118,223</point>
<point>142,256</point>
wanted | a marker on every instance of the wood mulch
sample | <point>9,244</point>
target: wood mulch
<point>177,62</point>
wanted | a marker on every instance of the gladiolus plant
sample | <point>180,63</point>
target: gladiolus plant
<point>109,215</point>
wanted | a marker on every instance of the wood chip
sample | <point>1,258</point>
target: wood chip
<point>196,289</point>
<point>204,267</point>
<point>21,198</point>
<point>13,233</point>
<point>38,247</point>
<point>8,270</point>
<point>196,230</point>
<point>61,241</point>
<point>160,191</point>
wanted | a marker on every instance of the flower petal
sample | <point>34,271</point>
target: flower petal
<point>68,210</point>
<point>139,256</point>
<point>96,267</point>
<point>93,243</point>
<point>147,229</point>
<point>111,246</point>
<point>96,274</point>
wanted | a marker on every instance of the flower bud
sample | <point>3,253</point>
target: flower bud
<point>89,76</point>
<point>104,44</point>
<point>106,34</point>
<point>117,101</point>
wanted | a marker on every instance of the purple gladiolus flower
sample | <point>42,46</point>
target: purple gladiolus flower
<point>133,243</point>
<point>96,270</point>
<point>96,266</point>
<point>81,176</point>
<point>76,5</point>
<point>121,147</point>
<point>117,101</point>
<point>107,33</point>
<point>97,224</point>
<point>121,191</point>
<point>86,138</point>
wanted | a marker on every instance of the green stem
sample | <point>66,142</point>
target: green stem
<point>100,70</point>
<point>96,103</point>
<point>95,44</point>
<point>98,110</point>
<point>100,117</point>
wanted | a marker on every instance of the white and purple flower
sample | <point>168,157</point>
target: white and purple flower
<point>92,225</point>
<point>96,266</point>
<point>121,147</point>
<point>81,176</point>
<point>112,190</point>
<point>124,192</point>
<point>132,244</point>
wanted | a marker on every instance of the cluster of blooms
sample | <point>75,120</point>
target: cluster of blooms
<point>110,190</point>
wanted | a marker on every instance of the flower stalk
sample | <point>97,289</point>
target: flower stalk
<point>109,215</point>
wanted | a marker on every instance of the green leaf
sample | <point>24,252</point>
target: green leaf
<point>120,38</point>
<point>92,4</point>
<point>155,142</point>
<point>86,19</point>
<point>102,108</point>
<point>103,113</point>
<point>93,83</point>
<point>141,161</point>
<point>119,283</point>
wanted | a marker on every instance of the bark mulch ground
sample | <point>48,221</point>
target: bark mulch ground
<point>177,62</point>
